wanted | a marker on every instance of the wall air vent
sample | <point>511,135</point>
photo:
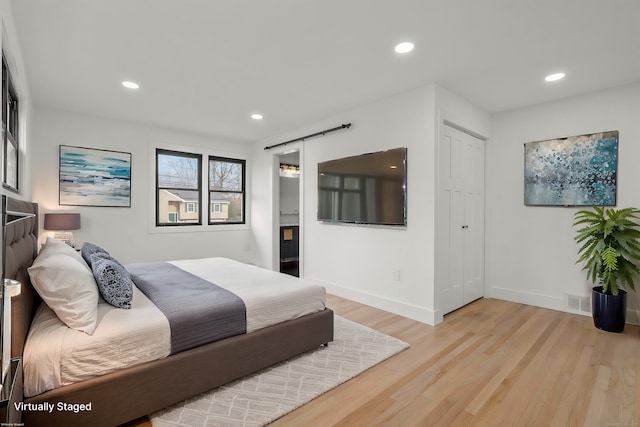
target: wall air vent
<point>578,303</point>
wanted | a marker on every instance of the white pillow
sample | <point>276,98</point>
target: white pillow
<point>62,247</point>
<point>67,286</point>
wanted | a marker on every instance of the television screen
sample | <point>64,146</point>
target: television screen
<point>366,189</point>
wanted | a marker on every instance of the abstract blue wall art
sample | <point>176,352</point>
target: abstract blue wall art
<point>575,171</point>
<point>90,177</point>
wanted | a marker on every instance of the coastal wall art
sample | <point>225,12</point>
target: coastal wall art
<point>574,171</point>
<point>91,177</point>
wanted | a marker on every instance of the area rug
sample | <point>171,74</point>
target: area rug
<point>268,395</point>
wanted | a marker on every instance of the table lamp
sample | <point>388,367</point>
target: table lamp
<point>62,223</point>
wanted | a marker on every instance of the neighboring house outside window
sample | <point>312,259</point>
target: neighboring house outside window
<point>179,205</point>
<point>219,211</point>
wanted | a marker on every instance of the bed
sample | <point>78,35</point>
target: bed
<point>124,393</point>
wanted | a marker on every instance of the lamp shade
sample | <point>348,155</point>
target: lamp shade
<point>62,221</point>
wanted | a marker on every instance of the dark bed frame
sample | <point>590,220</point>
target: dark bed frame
<point>129,394</point>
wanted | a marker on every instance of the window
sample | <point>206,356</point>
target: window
<point>178,185</point>
<point>226,190</point>
<point>10,146</point>
<point>180,194</point>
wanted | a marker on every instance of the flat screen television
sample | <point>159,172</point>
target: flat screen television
<point>365,189</point>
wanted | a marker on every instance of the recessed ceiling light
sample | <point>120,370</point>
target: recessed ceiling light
<point>554,77</point>
<point>130,85</point>
<point>404,47</point>
<point>256,116</point>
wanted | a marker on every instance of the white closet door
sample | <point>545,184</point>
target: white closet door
<point>460,254</point>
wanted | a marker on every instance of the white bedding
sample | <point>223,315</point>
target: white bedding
<point>269,297</point>
<point>56,355</point>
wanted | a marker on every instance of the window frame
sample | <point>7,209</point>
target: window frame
<point>191,207</point>
<point>198,157</point>
<point>243,191</point>
<point>10,130</point>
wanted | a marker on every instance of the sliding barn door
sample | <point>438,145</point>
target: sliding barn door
<point>460,219</point>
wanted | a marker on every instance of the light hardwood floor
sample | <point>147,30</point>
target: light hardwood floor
<point>491,363</point>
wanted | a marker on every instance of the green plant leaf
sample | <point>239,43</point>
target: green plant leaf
<point>609,259</point>
<point>609,246</point>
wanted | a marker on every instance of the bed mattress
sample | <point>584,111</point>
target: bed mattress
<point>56,355</point>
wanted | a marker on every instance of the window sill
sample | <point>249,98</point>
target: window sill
<point>169,229</point>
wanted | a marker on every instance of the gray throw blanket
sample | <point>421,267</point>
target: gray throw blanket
<point>199,312</point>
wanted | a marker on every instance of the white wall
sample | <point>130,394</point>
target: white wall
<point>530,250</point>
<point>358,262</point>
<point>128,233</point>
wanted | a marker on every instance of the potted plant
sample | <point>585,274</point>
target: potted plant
<point>610,246</point>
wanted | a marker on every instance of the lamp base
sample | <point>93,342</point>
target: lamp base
<point>66,237</point>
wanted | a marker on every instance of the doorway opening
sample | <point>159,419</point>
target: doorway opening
<point>289,213</point>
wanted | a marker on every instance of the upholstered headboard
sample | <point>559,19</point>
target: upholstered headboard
<point>20,249</point>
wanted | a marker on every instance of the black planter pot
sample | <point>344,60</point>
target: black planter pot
<point>609,311</point>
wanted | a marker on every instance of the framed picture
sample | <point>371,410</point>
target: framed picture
<point>91,177</point>
<point>575,171</point>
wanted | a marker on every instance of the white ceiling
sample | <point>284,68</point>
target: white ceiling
<point>206,65</point>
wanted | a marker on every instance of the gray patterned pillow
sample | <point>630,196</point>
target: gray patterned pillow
<point>114,281</point>
<point>89,249</point>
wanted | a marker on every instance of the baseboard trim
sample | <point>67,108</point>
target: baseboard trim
<point>400,308</point>
<point>434,317</point>
<point>546,301</point>
<point>529,298</point>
